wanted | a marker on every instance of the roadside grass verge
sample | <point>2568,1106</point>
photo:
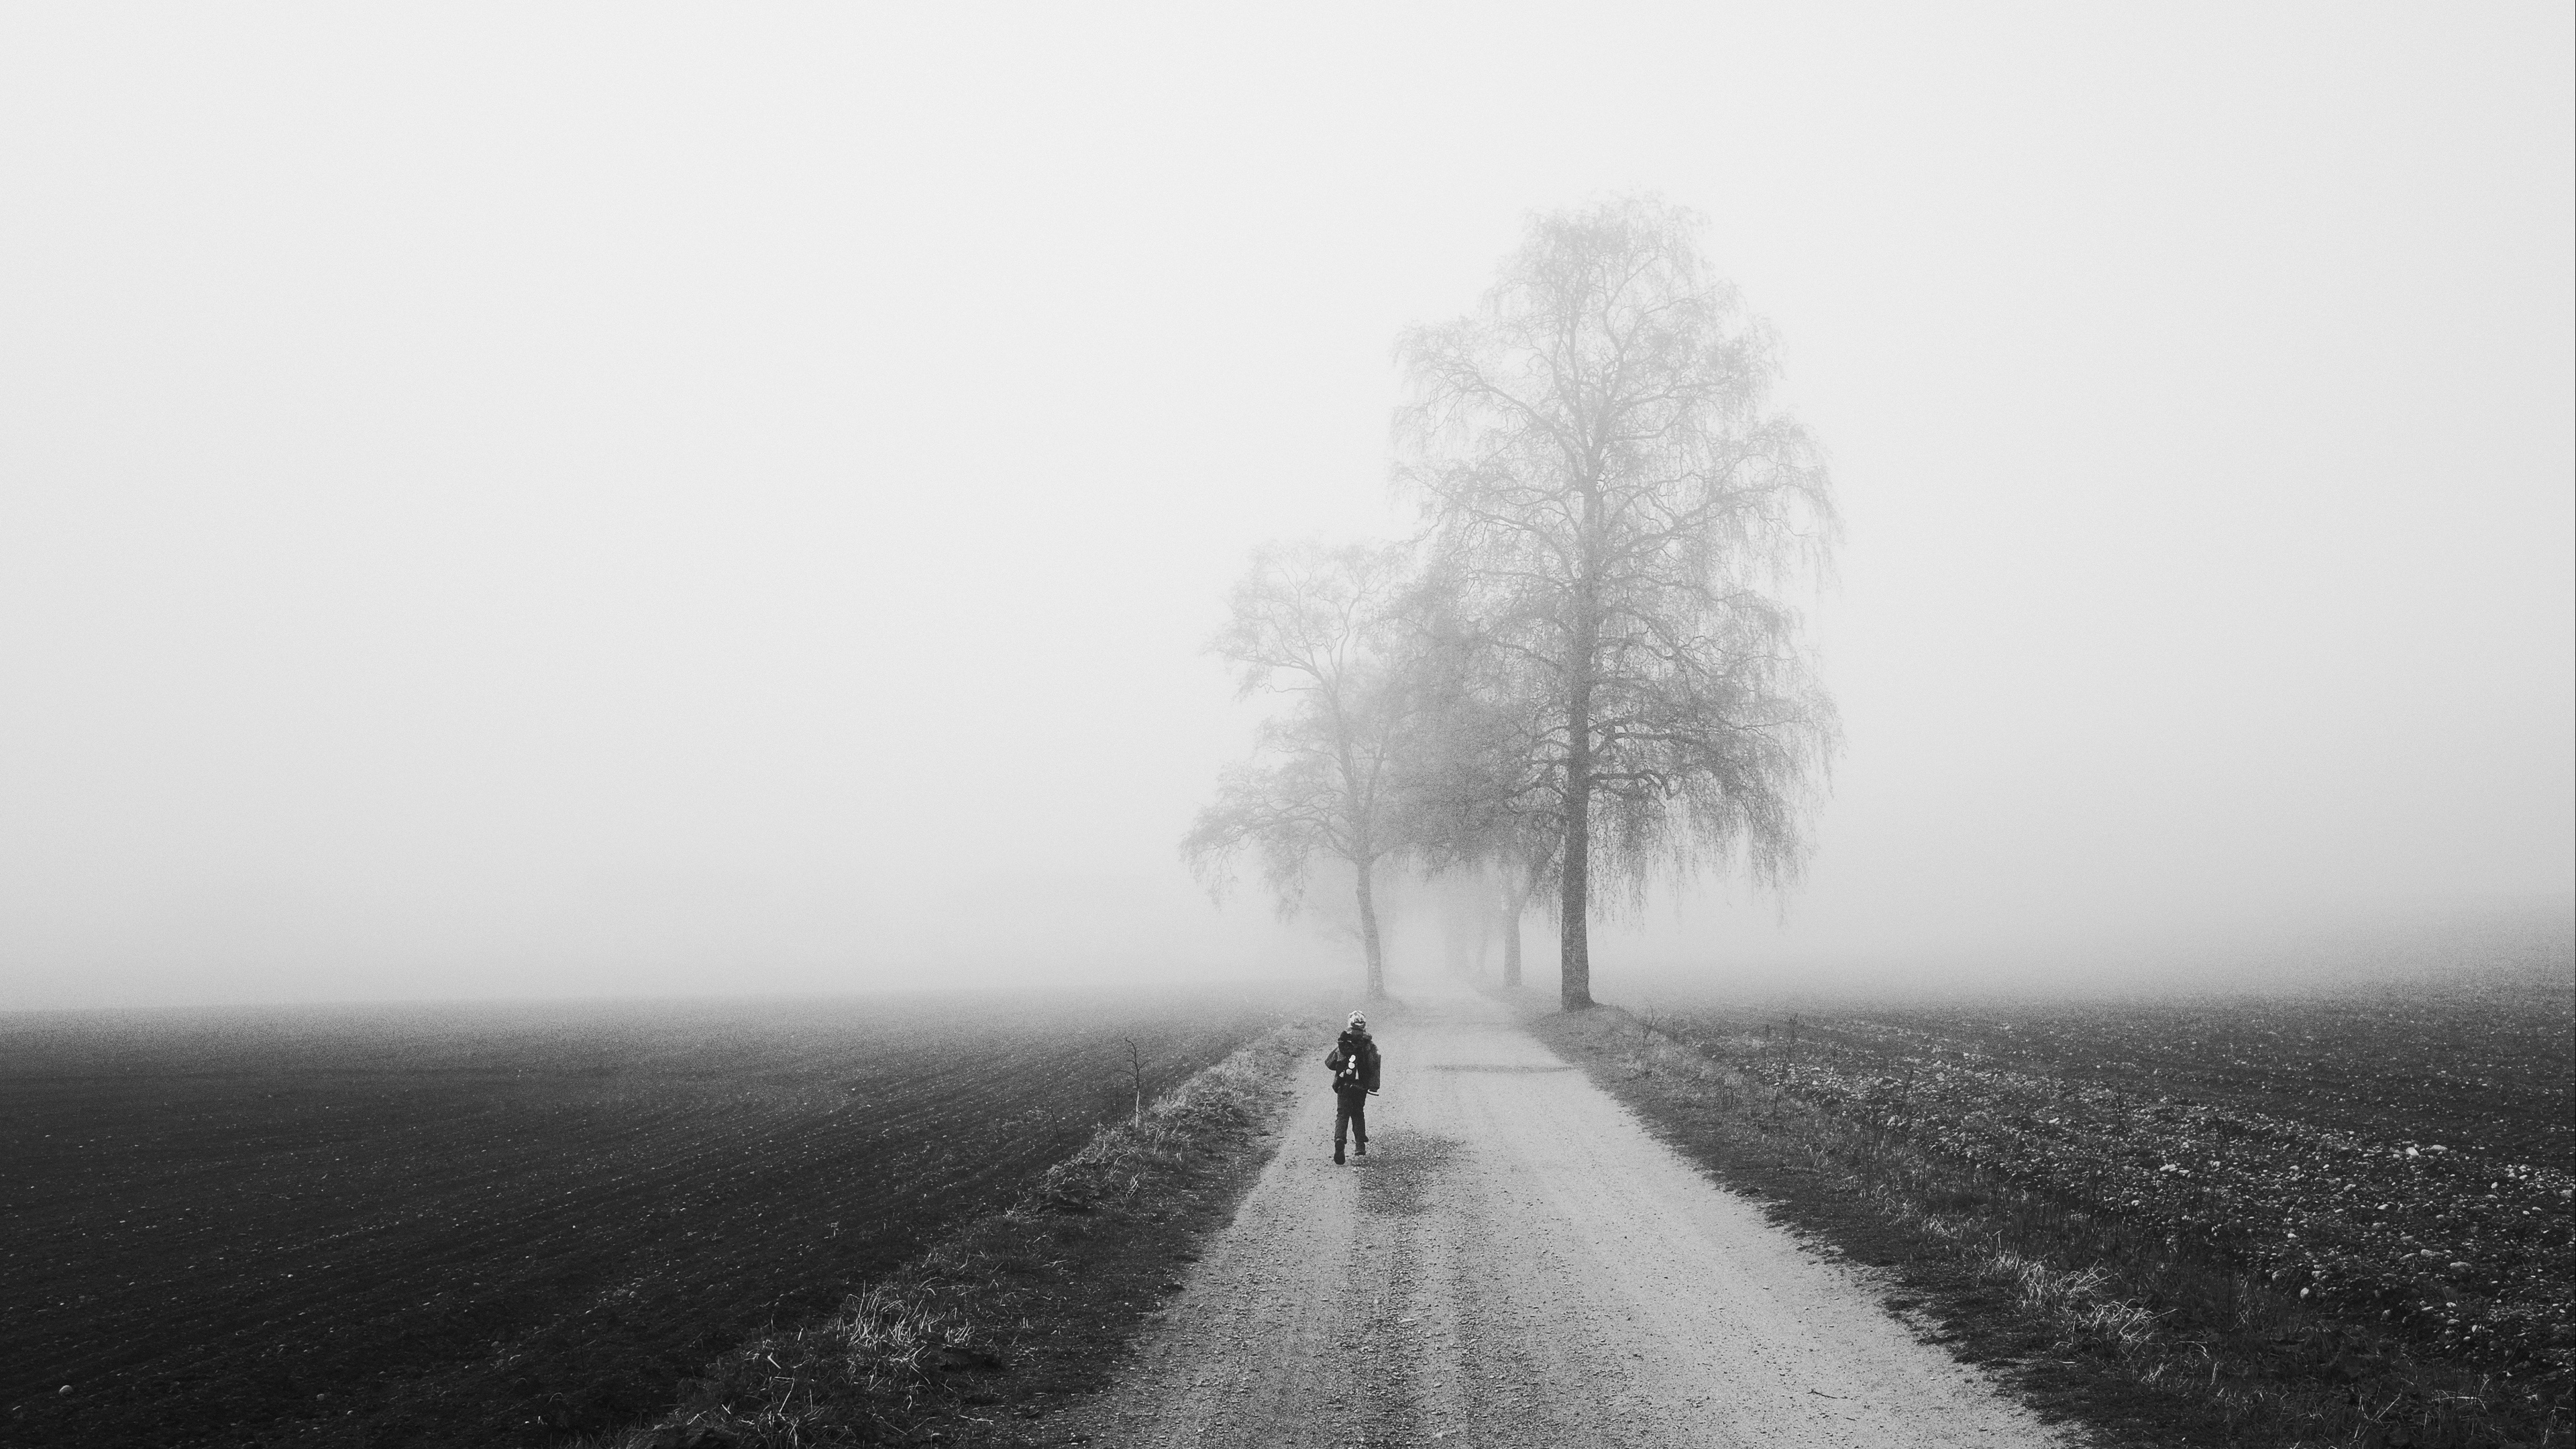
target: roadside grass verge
<point>2140,1334</point>
<point>1015,1313</point>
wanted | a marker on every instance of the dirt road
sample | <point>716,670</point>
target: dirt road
<point>1518,1263</point>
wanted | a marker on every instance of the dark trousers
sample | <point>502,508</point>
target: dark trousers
<point>1350,1115</point>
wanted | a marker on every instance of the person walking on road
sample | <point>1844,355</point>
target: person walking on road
<point>1353,1062</point>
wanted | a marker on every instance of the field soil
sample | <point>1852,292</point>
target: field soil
<point>504,1226</point>
<point>1517,1262</point>
<point>2300,1221</point>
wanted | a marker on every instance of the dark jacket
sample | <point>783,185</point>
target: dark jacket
<point>1353,1062</point>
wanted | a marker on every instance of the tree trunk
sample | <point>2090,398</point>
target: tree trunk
<point>1478,903</point>
<point>1518,891</point>
<point>1368,934</point>
<point>1583,662</point>
<point>1574,960</point>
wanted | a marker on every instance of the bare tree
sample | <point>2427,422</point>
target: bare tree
<point>1518,880</point>
<point>1615,508</point>
<point>1323,626</point>
<point>1136,1075</point>
<point>1487,803</point>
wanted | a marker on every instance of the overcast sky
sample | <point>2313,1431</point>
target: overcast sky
<point>611,499</point>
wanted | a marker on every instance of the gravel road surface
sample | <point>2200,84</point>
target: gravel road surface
<point>1519,1263</point>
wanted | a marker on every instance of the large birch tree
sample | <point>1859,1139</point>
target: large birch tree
<point>1619,514</point>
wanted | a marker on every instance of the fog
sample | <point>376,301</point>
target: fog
<point>629,501</point>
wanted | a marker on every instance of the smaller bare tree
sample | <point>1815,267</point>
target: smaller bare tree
<point>1329,779</point>
<point>1486,800</point>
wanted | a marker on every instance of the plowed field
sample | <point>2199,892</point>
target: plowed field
<point>495,1227</point>
<point>2406,1157</point>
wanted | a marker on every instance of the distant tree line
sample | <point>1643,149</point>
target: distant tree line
<point>1582,674</point>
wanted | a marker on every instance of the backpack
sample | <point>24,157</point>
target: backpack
<point>1356,1063</point>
